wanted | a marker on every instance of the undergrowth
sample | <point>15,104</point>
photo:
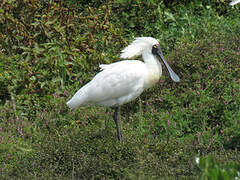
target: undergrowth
<point>49,49</point>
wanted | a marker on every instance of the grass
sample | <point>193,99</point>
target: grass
<point>164,130</point>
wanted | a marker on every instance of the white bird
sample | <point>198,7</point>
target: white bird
<point>121,82</point>
<point>234,2</point>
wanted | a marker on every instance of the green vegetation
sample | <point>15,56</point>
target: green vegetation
<point>50,49</point>
<point>212,169</point>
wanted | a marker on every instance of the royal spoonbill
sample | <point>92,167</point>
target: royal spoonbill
<point>234,2</point>
<point>121,82</point>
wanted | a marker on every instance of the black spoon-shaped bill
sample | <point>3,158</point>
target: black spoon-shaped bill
<point>173,75</point>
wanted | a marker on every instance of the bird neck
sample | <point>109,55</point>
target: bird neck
<point>152,62</point>
<point>154,69</point>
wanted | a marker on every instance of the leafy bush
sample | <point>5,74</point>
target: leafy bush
<point>51,48</point>
<point>211,169</point>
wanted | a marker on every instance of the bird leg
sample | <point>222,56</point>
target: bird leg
<point>116,118</point>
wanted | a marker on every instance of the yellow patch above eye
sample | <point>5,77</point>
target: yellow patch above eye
<point>154,46</point>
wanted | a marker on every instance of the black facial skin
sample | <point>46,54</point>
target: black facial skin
<point>156,50</point>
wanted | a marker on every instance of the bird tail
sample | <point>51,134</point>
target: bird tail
<point>79,99</point>
<point>72,103</point>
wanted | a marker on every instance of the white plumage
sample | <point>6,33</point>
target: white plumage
<point>110,87</point>
<point>121,82</point>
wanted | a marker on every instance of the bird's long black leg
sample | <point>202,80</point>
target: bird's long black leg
<point>116,118</point>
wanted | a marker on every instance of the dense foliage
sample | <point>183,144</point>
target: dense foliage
<point>49,49</point>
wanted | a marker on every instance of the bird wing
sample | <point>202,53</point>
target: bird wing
<point>117,80</point>
<point>121,63</point>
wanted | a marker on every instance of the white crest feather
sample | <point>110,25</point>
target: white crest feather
<point>137,47</point>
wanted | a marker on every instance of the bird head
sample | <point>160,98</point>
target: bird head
<point>148,45</point>
<point>138,47</point>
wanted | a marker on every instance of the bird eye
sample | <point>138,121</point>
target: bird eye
<point>155,49</point>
